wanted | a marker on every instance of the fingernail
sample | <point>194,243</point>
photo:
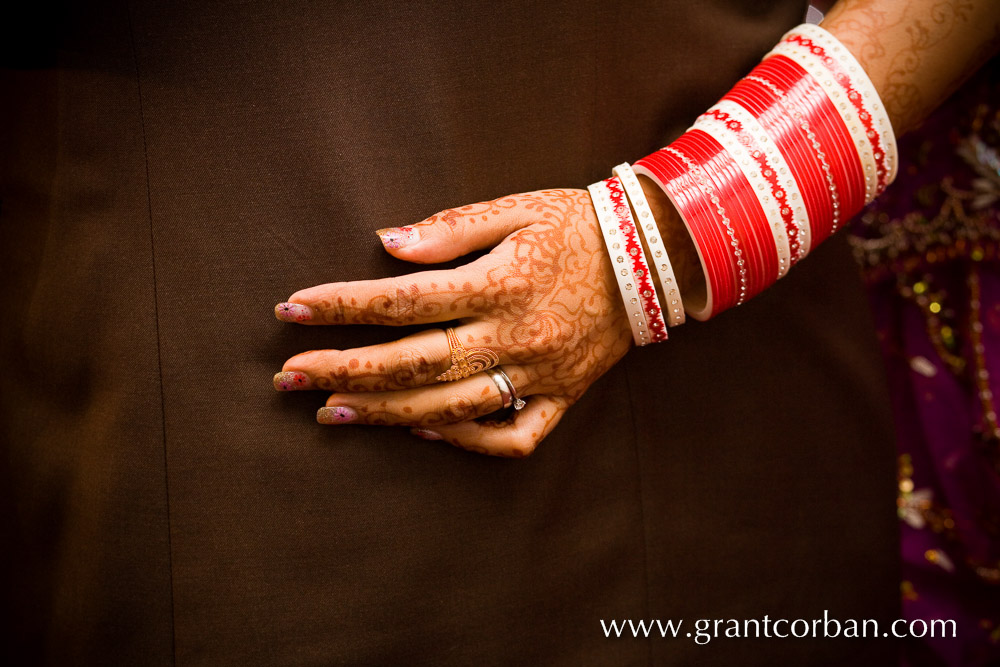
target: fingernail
<point>338,414</point>
<point>291,381</point>
<point>398,237</point>
<point>293,312</point>
<point>426,434</point>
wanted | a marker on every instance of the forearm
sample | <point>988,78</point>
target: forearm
<point>916,54</point>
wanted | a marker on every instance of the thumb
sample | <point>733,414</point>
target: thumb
<point>457,231</point>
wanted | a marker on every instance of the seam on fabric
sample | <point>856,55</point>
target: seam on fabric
<point>156,318</point>
<point>642,502</point>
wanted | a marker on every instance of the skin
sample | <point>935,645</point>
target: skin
<point>545,298</point>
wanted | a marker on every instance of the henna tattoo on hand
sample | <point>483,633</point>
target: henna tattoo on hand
<point>546,295</point>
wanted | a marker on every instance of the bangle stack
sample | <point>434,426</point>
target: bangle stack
<point>658,258</point>
<point>628,261</point>
<point>795,149</point>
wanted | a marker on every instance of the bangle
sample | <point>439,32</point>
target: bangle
<point>655,325</point>
<point>829,131</point>
<point>759,257</point>
<point>762,100</point>
<point>620,262</point>
<point>786,53</point>
<point>752,161</point>
<point>682,188</point>
<point>640,268</point>
<point>793,149</point>
<point>847,72</point>
<point>780,195</point>
<point>659,258</point>
<point>825,213</point>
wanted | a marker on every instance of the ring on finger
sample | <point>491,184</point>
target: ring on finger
<point>508,394</point>
<point>466,361</point>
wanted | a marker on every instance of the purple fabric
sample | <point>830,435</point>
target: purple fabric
<point>928,248</point>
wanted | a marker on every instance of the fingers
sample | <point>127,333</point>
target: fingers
<point>517,438</point>
<point>459,231</point>
<point>430,406</point>
<point>418,298</point>
<point>413,361</point>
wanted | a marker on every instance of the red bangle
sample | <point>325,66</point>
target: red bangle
<point>807,95</point>
<point>809,158</point>
<point>788,154</point>
<point>690,198</point>
<point>735,246</point>
<point>764,101</point>
<point>718,262</point>
<point>746,213</point>
<point>721,201</point>
<point>854,97</point>
<point>744,135</point>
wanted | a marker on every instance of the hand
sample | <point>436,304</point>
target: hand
<point>544,299</point>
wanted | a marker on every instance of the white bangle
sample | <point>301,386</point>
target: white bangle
<point>620,262</point>
<point>869,95</point>
<point>660,260</point>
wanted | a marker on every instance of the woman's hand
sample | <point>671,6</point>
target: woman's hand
<point>544,300</point>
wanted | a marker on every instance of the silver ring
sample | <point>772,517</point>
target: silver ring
<point>508,395</point>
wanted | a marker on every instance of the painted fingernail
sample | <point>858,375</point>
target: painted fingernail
<point>426,434</point>
<point>338,414</point>
<point>293,312</point>
<point>291,381</point>
<point>398,237</point>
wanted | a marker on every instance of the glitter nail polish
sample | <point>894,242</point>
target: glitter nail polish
<point>338,414</point>
<point>398,237</point>
<point>293,312</point>
<point>292,381</point>
<point>426,434</point>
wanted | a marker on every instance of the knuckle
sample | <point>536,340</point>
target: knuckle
<point>385,302</point>
<point>396,302</point>
<point>458,408</point>
<point>335,308</point>
<point>450,226</point>
<point>335,380</point>
<point>410,368</point>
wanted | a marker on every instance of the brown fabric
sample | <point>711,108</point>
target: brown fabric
<point>185,165</point>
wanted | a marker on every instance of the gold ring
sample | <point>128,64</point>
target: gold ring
<point>466,361</point>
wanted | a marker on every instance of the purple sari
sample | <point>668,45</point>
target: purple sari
<point>929,251</point>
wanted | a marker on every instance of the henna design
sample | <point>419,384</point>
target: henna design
<point>916,53</point>
<point>547,294</point>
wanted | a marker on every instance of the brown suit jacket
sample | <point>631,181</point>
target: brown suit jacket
<point>170,170</point>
